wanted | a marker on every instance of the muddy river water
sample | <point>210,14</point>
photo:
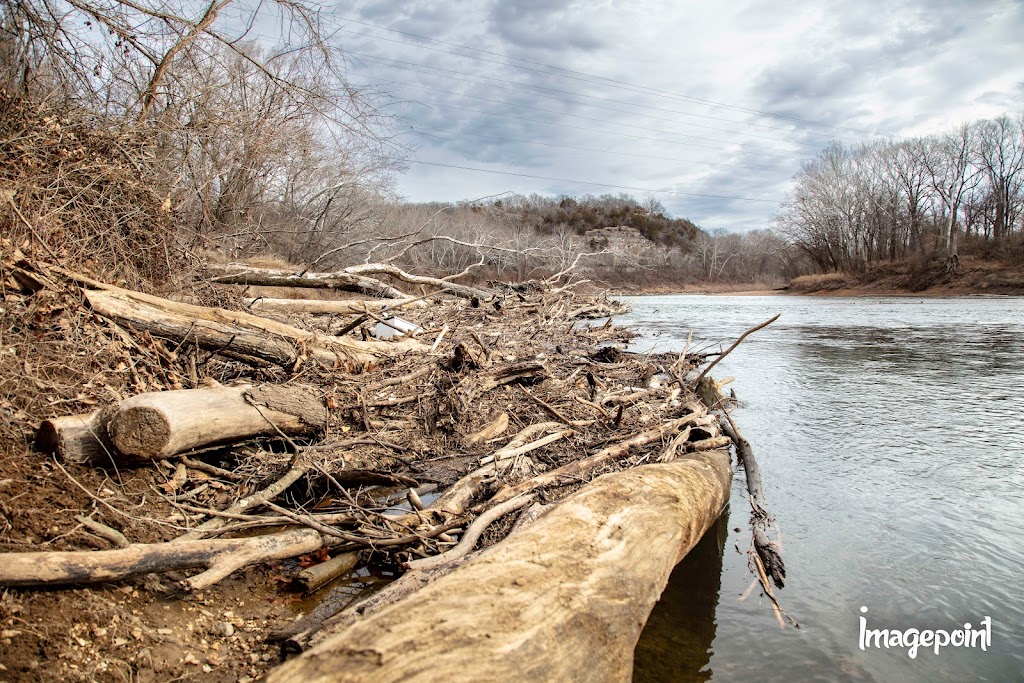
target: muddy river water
<point>890,434</point>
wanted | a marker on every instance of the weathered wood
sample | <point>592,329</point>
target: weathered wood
<point>319,575</point>
<point>350,307</point>
<point>242,274</point>
<point>220,557</point>
<point>564,599</point>
<point>163,423</point>
<point>394,271</point>
<point>76,438</point>
<point>578,468</point>
<point>237,334</point>
<point>471,388</point>
<point>769,551</point>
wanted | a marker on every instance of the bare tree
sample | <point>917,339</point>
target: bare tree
<point>948,159</point>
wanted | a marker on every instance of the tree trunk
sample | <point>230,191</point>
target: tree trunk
<point>241,274</point>
<point>163,423</point>
<point>236,334</point>
<point>339,307</point>
<point>563,600</point>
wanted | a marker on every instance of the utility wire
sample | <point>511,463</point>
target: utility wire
<point>572,127</point>
<point>372,58</point>
<point>578,74</point>
<point>431,70</point>
<point>587,182</point>
<point>438,133</point>
<point>747,148</point>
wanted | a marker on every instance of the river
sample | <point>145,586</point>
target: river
<point>890,435</point>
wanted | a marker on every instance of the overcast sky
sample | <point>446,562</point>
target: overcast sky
<point>696,98</point>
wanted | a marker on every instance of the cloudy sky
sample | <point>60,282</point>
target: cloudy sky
<point>708,106</point>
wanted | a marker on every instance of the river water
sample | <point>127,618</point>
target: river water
<point>890,435</point>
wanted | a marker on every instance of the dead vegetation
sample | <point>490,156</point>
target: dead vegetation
<point>501,400</point>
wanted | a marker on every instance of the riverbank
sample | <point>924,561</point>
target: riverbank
<point>977,277</point>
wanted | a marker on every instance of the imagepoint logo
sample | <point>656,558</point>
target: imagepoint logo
<point>912,638</point>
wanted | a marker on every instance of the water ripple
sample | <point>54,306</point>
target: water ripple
<point>889,434</point>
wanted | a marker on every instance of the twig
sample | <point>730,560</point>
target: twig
<point>472,534</point>
<point>736,343</point>
<point>551,409</point>
<point>104,531</point>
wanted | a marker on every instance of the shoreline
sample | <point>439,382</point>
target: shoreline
<point>843,292</point>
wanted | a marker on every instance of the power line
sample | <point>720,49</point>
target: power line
<point>430,68</point>
<point>566,125</point>
<point>618,83</point>
<point>380,60</point>
<point>587,182</point>
<point>591,118</point>
<point>437,134</point>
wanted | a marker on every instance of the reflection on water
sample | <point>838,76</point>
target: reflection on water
<point>681,627</point>
<point>889,433</point>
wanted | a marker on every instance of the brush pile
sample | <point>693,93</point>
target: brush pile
<point>194,442</point>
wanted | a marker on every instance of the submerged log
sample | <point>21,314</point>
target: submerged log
<point>164,423</point>
<point>564,599</point>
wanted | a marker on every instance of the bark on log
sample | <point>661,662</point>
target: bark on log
<point>76,438</point>
<point>163,423</point>
<point>563,600</point>
<point>232,333</point>
<point>242,274</point>
<point>351,307</point>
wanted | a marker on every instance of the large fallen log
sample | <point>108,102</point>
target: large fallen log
<point>164,423</point>
<point>564,599</point>
<point>237,334</point>
<point>242,274</point>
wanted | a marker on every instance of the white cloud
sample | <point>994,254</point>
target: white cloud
<point>905,68</point>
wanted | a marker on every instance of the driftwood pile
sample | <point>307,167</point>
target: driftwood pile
<point>286,427</point>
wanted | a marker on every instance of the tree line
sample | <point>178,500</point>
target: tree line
<point>894,200</point>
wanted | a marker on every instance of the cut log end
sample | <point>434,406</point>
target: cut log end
<point>141,431</point>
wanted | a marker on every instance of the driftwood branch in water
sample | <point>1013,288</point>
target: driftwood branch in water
<point>768,550</point>
<point>575,588</point>
<point>736,343</point>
